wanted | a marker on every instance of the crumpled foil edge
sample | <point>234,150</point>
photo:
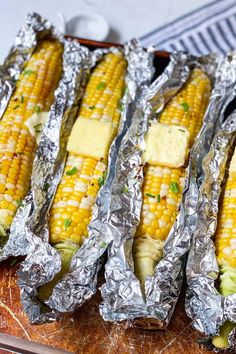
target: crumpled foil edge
<point>122,295</point>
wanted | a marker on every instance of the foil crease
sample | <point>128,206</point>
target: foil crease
<point>81,282</point>
<point>208,309</point>
<point>29,230</point>
<point>122,295</point>
<point>33,29</point>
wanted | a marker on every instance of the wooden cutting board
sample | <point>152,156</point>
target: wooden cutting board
<point>86,332</point>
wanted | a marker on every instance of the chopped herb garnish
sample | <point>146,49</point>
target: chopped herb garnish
<point>46,186</point>
<point>92,107</point>
<point>101,86</point>
<point>150,195</point>
<point>185,106</point>
<point>28,72</point>
<point>174,187</point>
<point>72,172</point>
<point>158,198</point>
<point>67,223</point>
<point>17,106</point>
<point>103,245</point>
<point>37,109</point>
<point>125,189</point>
<point>181,130</point>
<point>101,180</point>
<point>19,202</point>
<point>37,128</point>
<point>120,106</point>
<point>22,99</point>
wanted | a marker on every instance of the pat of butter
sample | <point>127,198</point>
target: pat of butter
<point>232,167</point>
<point>166,145</point>
<point>90,137</point>
<point>35,124</point>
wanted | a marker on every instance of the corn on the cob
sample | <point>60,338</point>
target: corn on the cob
<point>34,93</point>
<point>83,175</point>
<point>162,187</point>
<point>72,207</point>
<point>225,241</point>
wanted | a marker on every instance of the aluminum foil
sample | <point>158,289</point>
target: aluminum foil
<point>33,29</point>
<point>81,282</point>
<point>208,309</point>
<point>122,295</point>
<point>29,231</point>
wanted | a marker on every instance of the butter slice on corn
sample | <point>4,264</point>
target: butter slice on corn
<point>166,145</point>
<point>91,138</point>
<point>35,124</point>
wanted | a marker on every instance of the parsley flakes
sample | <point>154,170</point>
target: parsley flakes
<point>150,195</point>
<point>72,172</point>
<point>67,223</point>
<point>103,245</point>
<point>38,127</point>
<point>185,106</point>
<point>101,180</point>
<point>174,187</point>
<point>37,109</point>
<point>101,86</point>
<point>28,72</point>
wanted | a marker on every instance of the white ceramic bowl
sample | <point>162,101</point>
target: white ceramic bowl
<point>88,25</point>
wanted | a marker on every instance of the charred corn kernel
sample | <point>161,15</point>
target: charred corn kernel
<point>34,92</point>
<point>163,186</point>
<point>83,175</point>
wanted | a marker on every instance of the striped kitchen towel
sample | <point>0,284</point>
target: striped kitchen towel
<point>211,28</point>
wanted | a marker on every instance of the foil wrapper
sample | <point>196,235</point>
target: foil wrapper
<point>81,282</point>
<point>207,308</point>
<point>29,231</point>
<point>33,29</point>
<point>122,294</point>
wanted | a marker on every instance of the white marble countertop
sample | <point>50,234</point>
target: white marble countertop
<point>127,18</point>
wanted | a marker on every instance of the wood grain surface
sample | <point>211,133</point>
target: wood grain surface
<point>86,332</point>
